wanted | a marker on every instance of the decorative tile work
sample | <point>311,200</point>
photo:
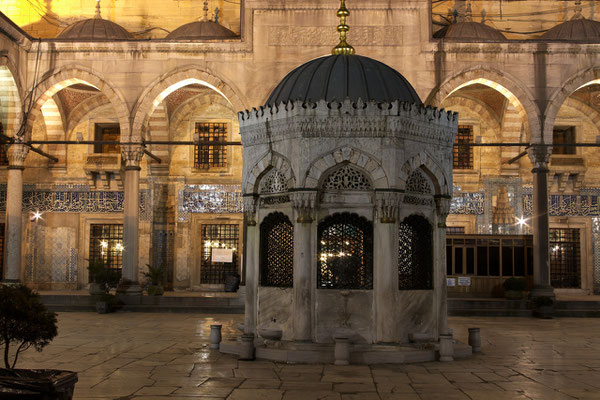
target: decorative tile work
<point>211,199</point>
<point>596,249</point>
<point>468,203</point>
<point>145,209</point>
<point>72,269</point>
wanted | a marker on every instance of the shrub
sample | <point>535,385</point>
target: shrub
<point>24,321</point>
<point>156,275</point>
<point>101,274</point>
<point>515,284</point>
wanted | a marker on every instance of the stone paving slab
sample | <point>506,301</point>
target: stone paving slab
<point>166,356</point>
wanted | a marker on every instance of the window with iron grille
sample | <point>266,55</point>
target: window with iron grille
<point>563,135</point>
<point>2,251</point>
<point>565,258</point>
<point>277,251</point>
<point>453,230</point>
<point>345,249</point>
<point>415,254</point>
<point>463,155</point>
<point>218,236</point>
<point>106,245</point>
<point>207,155</point>
<point>107,132</point>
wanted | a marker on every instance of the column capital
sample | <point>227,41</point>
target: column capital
<point>16,154</point>
<point>442,206</point>
<point>250,204</point>
<point>132,155</point>
<point>304,202</point>
<point>388,203</point>
<point>539,156</point>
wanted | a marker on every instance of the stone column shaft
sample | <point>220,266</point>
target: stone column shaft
<point>540,222</point>
<point>385,262</point>
<point>251,262</point>
<point>14,215</point>
<point>132,154</point>
<point>304,203</point>
<point>442,204</point>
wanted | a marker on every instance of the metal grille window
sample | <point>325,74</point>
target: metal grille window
<point>107,132</point>
<point>345,249</point>
<point>453,230</point>
<point>218,236</point>
<point>106,244</point>
<point>415,254</point>
<point>207,156</point>
<point>463,155</point>
<point>2,251</point>
<point>565,259</point>
<point>564,135</point>
<point>277,251</point>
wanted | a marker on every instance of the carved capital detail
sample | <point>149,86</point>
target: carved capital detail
<point>388,204</point>
<point>304,202</point>
<point>250,203</point>
<point>16,155</point>
<point>539,156</point>
<point>442,205</point>
<point>132,154</point>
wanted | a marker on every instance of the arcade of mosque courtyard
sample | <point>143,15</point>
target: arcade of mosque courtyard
<point>353,188</point>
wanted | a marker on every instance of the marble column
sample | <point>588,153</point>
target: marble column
<point>132,156</point>
<point>442,205</point>
<point>251,262</point>
<point>14,216</point>
<point>304,205</point>
<point>540,156</point>
<point>385,262</point>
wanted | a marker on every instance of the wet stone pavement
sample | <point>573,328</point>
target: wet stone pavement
<point>166,356</point>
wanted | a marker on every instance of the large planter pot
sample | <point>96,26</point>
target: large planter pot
<point>155,290</point>
<point>513,295</point>
<point>44,384</point>
<point>96,289</point>
<point>102,307</point>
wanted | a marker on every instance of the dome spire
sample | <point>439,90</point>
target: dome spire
<point>343,47</point>
<point>578,10</point>
<point>205,17</point>
<point>98,10</point>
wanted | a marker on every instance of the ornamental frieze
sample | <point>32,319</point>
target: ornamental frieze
<point>324,36</point>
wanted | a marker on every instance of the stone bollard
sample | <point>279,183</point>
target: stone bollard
<point>475,339</point>
<point>247,347</point>
<point>342,351</point>
<point>446,347</point>
<point>215,336</point>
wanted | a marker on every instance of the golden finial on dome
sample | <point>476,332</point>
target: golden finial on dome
<point>343,47</point>
<point>98,10</point>
<point>205,17</point>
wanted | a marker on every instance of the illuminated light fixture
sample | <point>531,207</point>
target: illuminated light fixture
<point>35,216</point>
<point>119,247</point>
<point>522,221</point>
<point>104,244</point>
<point>556,248</point>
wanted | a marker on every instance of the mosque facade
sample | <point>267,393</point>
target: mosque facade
<point>123,137</point>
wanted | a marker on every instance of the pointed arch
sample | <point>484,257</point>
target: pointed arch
<point>346,155</point>
<point>427,165</point>
<point>271,160</point>
<point>583,78</point>
<point>72,75</point>
<point>10,101</point>
<point>189,106</point>
<point>512,88</point>
<point>157,91</point>
<point>83,109</point>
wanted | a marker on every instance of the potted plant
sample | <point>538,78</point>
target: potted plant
<point>156,276</point>
<point>26,323</point>
<point>544,306</point>
<point>102,279</point>
<point>514,287</point>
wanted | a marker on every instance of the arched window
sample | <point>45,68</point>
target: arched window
<point>415,254</point>
<point>345,251</point>
<point>276,251</point>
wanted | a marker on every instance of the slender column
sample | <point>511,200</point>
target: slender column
<point>251,262</point>
<point>132,155</point>
<point>385,261</point>
<point>304,205</point>
<point>14,204</point>
<point>442,204</point>
<point>540,156</point>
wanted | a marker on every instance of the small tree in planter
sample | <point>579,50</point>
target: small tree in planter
<point>26,323</point>
<point>155,275</point>
<point>514,287</point>
<point>103,279</point>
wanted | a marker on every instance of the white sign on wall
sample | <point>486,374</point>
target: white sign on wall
<point>464,281</point>
<point>221,255</point>
<point>450,281</point>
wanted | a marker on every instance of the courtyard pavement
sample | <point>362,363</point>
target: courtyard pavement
<point>159,356</point>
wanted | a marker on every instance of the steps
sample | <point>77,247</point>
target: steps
<point>519,308</point>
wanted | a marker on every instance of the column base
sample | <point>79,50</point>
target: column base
<point>541,291</point>
<point>129,289</point>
